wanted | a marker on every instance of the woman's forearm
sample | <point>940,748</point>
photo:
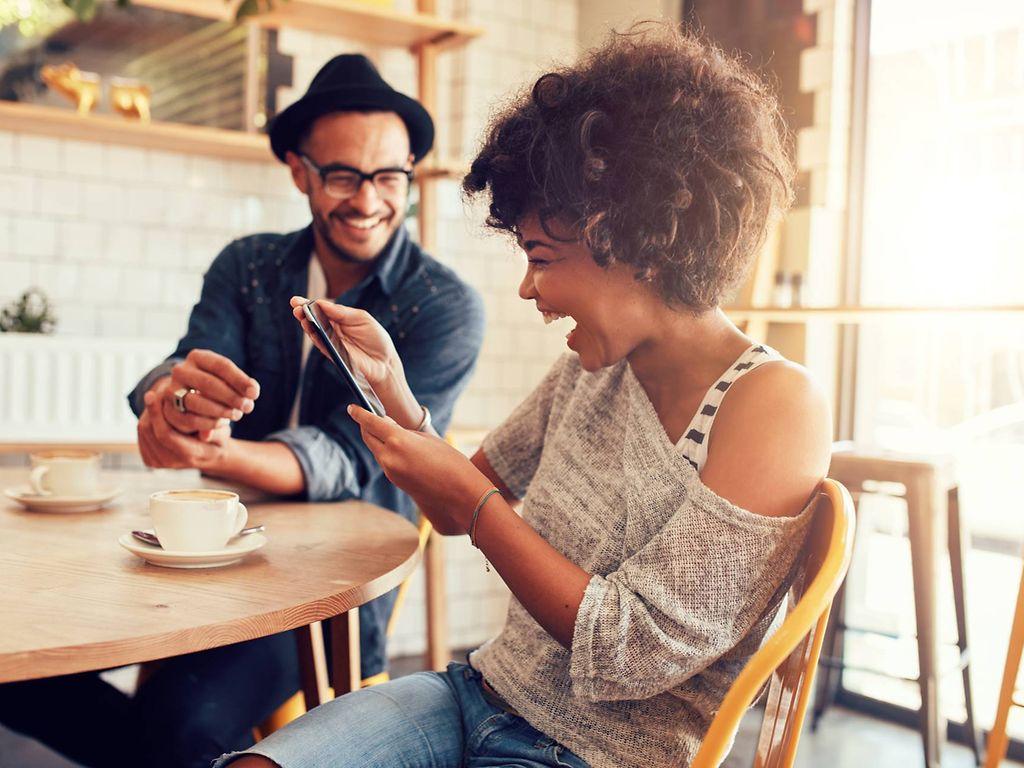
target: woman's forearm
<point>399,401</point>
<point>547,584</point>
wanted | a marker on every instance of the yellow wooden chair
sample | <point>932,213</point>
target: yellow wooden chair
<point>1009,696</point>
<point>789,656</point>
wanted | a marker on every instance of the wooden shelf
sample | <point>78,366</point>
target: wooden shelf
<point>863,314</point>
<point>172,137</point>
<point>112,129</point>
<point>346,18</point>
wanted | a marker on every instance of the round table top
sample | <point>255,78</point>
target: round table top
<point>75,600</point>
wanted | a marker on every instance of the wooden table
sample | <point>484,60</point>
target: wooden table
<point>74,600</point>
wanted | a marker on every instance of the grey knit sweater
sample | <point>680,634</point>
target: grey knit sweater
<point>685,584</point>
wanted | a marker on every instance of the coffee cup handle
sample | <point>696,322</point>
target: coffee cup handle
<point>36,480</point>
<point>241,518</point>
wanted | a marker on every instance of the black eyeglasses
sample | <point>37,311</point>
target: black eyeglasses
<point>342,181</point>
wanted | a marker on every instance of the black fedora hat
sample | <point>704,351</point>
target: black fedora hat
<point>350,82</point>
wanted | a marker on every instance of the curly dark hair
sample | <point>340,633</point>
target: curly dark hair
<point>658,149</point>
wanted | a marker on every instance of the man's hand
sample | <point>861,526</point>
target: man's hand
<point>223,391</point>
<point>162,446</point>
<point>172,439</point>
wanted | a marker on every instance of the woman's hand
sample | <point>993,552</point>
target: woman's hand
<point>443,482</point>
<point>369,346</point>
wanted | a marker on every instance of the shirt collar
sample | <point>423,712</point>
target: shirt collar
<point>388,268</point>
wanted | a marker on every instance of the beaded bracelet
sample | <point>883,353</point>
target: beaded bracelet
<point>476,514</point>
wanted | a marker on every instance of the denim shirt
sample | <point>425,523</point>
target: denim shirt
<point>434,318</point>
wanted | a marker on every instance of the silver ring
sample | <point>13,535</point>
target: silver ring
<point>179,398</point>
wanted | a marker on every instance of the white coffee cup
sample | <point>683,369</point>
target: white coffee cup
<point>65,472</point>
<point>196,519</point>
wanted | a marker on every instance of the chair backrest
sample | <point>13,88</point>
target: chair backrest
<point>790,655</point>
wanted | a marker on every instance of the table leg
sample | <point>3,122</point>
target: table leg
<point>346,673</point>
<point>312,664</point>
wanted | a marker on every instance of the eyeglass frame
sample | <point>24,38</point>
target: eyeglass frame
<point>324,171</point>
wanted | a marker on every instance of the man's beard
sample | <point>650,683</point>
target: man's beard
<point>323,224</point>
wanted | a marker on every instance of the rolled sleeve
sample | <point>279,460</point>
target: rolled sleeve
<point>329,472</point>
<point>690,595</point>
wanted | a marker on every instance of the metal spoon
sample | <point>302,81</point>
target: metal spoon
<point>149,538</point>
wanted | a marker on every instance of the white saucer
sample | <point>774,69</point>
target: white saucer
<point>37,502</point>
<point>235,550</point>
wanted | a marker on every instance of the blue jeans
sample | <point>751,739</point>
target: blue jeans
<point>426,720</point>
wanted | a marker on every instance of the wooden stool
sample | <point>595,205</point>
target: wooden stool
<point>932,505</point>
<point>997,741</point>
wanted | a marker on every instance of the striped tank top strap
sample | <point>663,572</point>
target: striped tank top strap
<point>694,442</point>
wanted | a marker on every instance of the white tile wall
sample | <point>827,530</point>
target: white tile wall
<point>119,237</point>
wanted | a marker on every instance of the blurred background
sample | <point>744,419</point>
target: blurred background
<point>897,278</point>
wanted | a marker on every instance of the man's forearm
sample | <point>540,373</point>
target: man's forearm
<point>268,466</point>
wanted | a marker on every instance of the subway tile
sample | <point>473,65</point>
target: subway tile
<point>119,322</point>
<point>145,204</point>
<point>205,173</point>
<point>37,153</point>
<point>180,290</point>
<point>141,286</point>
<point>58,197</point>
<point>159,323</point>
<point>182,207</point>
<point>82,241</point>
<point>34,237</point>
<point>5,235</point>
<point>103,201</point>
<point>75,319</point>
<point>17,276</point>
<point>168,169</point>
<point>99,284</point>
<point>125,163</point>
<point>17,192</point>
<point>58,281</point>
<point>6,149</point>
<point>163,247</point>
<point>83,159</point>
<point>244,178</point>
<point>124,244</point>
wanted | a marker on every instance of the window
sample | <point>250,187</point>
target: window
<point>943,224</point>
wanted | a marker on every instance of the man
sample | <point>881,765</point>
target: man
<point>243,399</point>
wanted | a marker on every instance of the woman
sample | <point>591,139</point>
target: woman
<point>652,553</point>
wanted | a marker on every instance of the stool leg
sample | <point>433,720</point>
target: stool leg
<point>997,740</point>
<point>956,563</point>
<point>923,502</point>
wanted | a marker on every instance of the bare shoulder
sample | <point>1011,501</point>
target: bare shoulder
<point>770,444</point>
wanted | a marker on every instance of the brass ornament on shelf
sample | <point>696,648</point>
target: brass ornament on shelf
<point>83,88</point>
<point>130,98</point>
